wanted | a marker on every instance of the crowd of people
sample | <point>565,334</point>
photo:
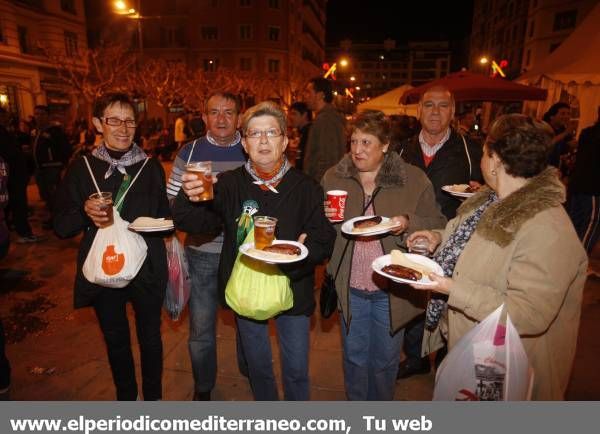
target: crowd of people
<point>511,243</point>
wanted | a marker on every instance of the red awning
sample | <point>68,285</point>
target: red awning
<point>468,86</point>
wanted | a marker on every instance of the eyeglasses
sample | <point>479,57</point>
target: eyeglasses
<point>116,122</point>
<point>270,134</point>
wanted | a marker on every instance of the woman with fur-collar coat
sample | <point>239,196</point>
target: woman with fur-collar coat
<point>513,243</point>
<point>373,309</point>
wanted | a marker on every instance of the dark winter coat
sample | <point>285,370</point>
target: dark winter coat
<point>450,165</point>
<point>298,207</point>
<point>146,198</point>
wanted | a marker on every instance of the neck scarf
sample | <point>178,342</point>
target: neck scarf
<point>268,181</point>
<point>448,255</point>
<point>131,157</point>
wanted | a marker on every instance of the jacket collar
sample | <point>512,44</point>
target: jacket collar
<point>503,219</point>
<point>391,174</point>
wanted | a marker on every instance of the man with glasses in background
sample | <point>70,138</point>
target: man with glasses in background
<point>222,146</point>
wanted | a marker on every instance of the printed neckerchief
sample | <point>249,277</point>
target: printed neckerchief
<point>131,157</point>
<point>271,182</point>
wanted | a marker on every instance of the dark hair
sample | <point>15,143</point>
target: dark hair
<point>553,110</point>
<point>42,107</point>
<point>321,84</point>
<point>373,122</point>
<point>302,108</point>
<point>521,143</point>
<point>225,95</point>
<point>109,99</point>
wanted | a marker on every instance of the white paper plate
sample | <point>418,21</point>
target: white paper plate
<point>381,228</point>
<point>156,229</point>
<point>384,260</point>
<point>448,189</point>
<point>249,250</point>
<point>157,225</point>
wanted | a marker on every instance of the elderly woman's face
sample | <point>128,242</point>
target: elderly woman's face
<point>264,142</point>
<point>117,137</point>
<point>488,165</point>
<point>367,151</point>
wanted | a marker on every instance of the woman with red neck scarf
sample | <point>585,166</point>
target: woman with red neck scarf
<point>266,185</point>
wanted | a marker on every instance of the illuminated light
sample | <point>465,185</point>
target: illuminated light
<point>210,62</point>
<point>382,57</point>
<point>331,71</point>
<point>357,88</point>
<point>3,99</point>
<point>120,5</point>
<point>484,60</point>
<point>348,93</point>
<point>496,69</point>
<point>131,11</point>
<point>344,62</point>
<point>353,78</point>
<point>325,66</point>
<point>335,92</point>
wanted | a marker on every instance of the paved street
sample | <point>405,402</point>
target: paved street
<point>57,353</point>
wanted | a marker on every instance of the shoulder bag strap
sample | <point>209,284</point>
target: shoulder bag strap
<point>87,163</point>
<point>337,271</point>
<point>118,204</point>
<point>468,156</point>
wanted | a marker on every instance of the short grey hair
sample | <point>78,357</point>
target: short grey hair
<point>265,108</point>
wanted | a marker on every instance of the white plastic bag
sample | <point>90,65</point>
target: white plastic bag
<point>489,363</point>
<point>178,285</point>
<point>116,255</point>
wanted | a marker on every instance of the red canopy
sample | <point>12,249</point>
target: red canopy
<point>468,86</point>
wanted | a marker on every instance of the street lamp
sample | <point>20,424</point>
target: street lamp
<point>122,9</point>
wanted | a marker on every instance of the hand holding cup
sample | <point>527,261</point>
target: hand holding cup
<point>431,240</point>
<point>99,208</point>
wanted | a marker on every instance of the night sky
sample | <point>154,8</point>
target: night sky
<point>411,20</point>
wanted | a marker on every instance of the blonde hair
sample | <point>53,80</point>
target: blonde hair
<point>265,108</point>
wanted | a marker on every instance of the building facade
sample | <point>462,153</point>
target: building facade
<point>521,32</point>
<point>375,68</point>
<point>27,78</point>
<point>549,23</point>
<point>277,40</point>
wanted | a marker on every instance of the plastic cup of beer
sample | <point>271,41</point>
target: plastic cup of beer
<point>420,246</point>
<point>337,200</point>
<point>105,202</point>
<point>203,170</point>
<point>264,231</point>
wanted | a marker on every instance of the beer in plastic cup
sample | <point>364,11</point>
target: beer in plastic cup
<point>264,231</point>
<point>337,200</point>
<point>420,246</point>
<point>106,204</point>
<point>202,169</point>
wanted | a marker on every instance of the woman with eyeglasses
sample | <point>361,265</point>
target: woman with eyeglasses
<point>266,185</point>
<point>512,243</point>
<point>114,164</point>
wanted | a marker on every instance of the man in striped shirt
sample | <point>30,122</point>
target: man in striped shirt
<point>223,147</point>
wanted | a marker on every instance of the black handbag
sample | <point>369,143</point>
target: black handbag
<point>328,300</point>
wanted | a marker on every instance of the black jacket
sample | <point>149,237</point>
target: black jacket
<point>450,165</point>
<point>585,177</point>
<point>298,207</point>
<point>147,197</point>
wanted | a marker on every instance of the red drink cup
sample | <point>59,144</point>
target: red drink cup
<point>337,200</point>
